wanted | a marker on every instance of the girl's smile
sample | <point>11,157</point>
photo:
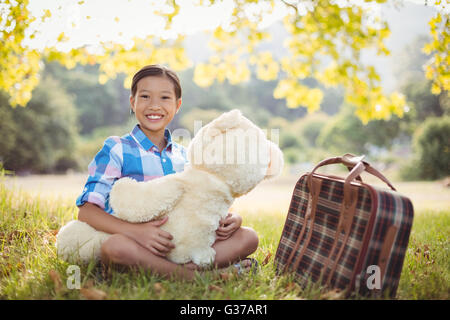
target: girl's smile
<point>154,117</point>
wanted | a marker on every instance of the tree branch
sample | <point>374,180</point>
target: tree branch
<point>290,5</point>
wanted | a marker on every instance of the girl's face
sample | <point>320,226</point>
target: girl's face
<point>154,104</point>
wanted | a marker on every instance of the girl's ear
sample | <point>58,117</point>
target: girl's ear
<point>178,105</point>
<point>131,104</point>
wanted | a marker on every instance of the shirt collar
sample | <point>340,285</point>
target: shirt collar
<point>146,143</point>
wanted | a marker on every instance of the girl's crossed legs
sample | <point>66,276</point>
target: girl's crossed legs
<point>120,249</point>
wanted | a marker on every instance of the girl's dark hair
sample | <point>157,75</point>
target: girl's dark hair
<point>156,70</point>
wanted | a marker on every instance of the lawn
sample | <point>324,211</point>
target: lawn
<point>30,269</point>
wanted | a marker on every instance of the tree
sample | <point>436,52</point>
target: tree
<point>432,151</point>
<point>97,105</point>
<point>438,66</point>
<point>422,103</point>
<point>19,65</point>
<point>335,33</point>
<point>40,138</point>
<point>310,127</point>
<point>346,133</point>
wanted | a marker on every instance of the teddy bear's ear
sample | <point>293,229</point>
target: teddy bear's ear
<point>276,163</point>
<point>226,121</point>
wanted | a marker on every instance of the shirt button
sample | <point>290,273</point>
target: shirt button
<point>164,160</point>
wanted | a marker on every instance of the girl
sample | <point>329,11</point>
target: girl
<point>148,152</point>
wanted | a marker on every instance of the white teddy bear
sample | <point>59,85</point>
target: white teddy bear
<point>227,158</point>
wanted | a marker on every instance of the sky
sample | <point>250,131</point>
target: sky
<point>120,20</point>
<point>91,21</point>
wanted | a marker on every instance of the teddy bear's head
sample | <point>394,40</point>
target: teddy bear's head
<point>237,151</point>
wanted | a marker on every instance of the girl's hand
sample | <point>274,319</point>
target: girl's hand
<point>150,236</point>
<point>228,226</point>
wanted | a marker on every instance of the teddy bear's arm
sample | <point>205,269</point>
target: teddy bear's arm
<point>144,201</point>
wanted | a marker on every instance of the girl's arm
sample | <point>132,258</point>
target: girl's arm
<point>147,234</point>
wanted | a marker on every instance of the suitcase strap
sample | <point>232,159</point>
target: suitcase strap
<point>386,250</point>
<point>310,214</point>
<point>346,216</point>
<point>344,225</point>
<point>351,161</point>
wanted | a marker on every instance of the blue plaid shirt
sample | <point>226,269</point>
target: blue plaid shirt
<point>133,155</point>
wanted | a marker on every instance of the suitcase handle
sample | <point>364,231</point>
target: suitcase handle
<point>350,161</point>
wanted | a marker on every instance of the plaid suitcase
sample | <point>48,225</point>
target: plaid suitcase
<point>347,234</point>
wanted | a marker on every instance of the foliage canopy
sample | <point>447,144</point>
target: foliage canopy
<point>325,40</point>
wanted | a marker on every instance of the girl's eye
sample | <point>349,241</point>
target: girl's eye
<point>166,97</point>
<point>144,96</point>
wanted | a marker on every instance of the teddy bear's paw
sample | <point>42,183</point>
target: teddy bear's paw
<point>178,256</point>
<point>78,242</point>
<point>204,257</point>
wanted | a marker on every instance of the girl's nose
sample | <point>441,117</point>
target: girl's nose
<point>154,107</point>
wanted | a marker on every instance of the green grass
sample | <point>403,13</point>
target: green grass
<point>28,260</point>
